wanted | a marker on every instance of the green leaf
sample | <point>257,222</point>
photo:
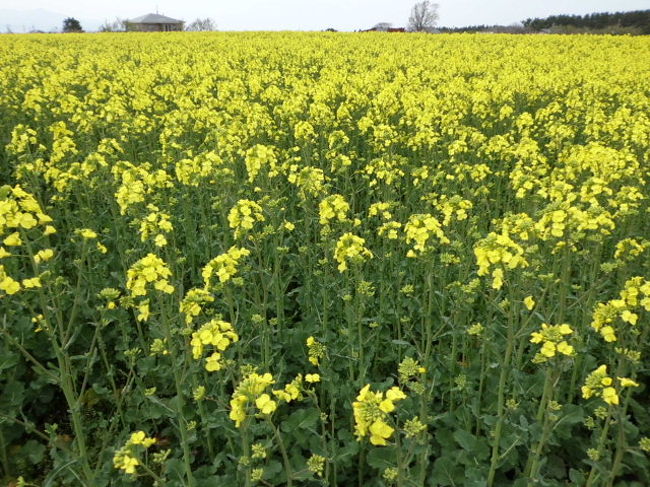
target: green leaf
<point>447,472</point>
<point>272,470</point>
<point>175,469</point>
<point>301,419</point>
<point>34,450</point>
<point>8,361</point>
<point>349,450</point>
<point>475,447</point>
<point>577,477</point>
<point>382,457</point>
<point>464,439</point>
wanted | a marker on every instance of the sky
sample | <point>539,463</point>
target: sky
<point>344,15</point>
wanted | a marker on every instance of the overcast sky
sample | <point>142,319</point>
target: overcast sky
<point>320,14</point>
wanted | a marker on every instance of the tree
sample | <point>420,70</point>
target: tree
<point>382,26</point>
<point>206,24</point>
<point>118,25</point>
<point>424,17</point>
<point>71,25</point>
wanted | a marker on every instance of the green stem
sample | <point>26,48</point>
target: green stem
<point>333,441</point>
<point>3,453</point>
<point>283,451</point>
<point>481,383</point>
<point>428,337</point>
<point>180,403</point>
<point>621,443</point>
<point>533,464</point>
<point>152,474</point>
<point>204,420</point>
<point>503,377</point>
<point>246,453</point>
<point>428,317</point>
<point>30,428</point>
<point>66,376</point>
<point>593,475</point>
<point>360,467</point>
<point>29,356</point>
<point>425,404</point>
<point>279,292</point>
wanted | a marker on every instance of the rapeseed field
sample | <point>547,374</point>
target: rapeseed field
<point>287,259</point>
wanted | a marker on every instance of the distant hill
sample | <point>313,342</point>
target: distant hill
<point>40,19</point>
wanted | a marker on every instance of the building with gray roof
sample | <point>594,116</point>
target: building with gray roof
<point>154,23</point>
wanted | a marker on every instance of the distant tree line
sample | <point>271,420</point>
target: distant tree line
<point>638,19</point>
<point>636,22</point>
<point>501,29</point>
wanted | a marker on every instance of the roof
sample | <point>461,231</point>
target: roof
<point>154,19</point>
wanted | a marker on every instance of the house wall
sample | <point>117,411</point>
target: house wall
<point>155,27</point>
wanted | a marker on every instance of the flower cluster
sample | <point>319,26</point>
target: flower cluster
<point>243,216</point>
<point>420,230</point>
<point>381,209</point>
<point>552,338</point>
<point>334,207</point>
<point>193,302</point>
<point>386,169</point>
<point>453,208</point>
<point>308,179</point>
<point>86,233</point>
<point>389,230</point>
<point>44,255</point>
<point>202,167</point>
<point>316,464</point>
<point>257,157</point>
<point>413,427</point>
<point>7,283</point>
<point>148,270</point>
<point>20,212</point>
<point>23,139</point>
<point>634,299</point>
<point>350,248</point>
<point>629,248</point>
<point>409,368</point>
<point>573,223</point>
<point>497,252</point>
<point>220,335</point>
<point>304,132</point>
<point>552,224</point>
<point>371,410</point>
<point>529,303</point>
<point>315,351</point>
<point>410,374</point>
<point>224,266</point>
<point>127,457</point>
<point>137,183</point>
<point>292,391</point>
<point>598,383</point>
<point>251,391</point>
<point>155,224</point>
